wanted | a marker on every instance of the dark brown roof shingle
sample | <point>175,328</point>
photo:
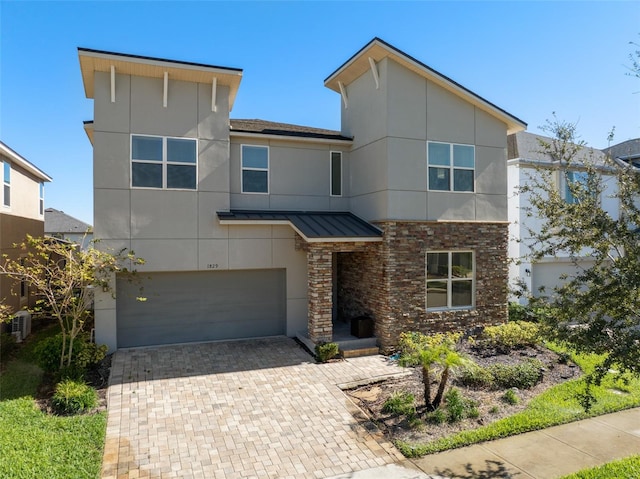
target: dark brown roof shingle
<point>284,129</point>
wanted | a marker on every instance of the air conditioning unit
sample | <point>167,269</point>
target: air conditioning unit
<point>21,325</point>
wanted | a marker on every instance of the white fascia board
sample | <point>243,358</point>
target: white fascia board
<point>23,162</point>
<point>302,139</point>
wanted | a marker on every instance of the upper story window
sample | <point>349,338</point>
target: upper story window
<point>572,178</point>
<point>41,203</point>
<point>451,166</point>
<point>163,162</point>
<point>255,169</point>
<point>336,173</point>
<point>6,171</point>
<point>450,276</point>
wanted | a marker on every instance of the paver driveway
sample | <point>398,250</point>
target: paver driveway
<point>242,409</point>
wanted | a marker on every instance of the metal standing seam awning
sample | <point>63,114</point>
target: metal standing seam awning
<point>313,226</point>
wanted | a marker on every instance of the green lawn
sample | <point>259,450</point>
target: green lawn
<point>557,405</point>
<point>34,444</point>
<point>628,468</point>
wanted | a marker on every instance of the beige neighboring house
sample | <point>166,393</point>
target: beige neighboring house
<point>21,213</point>
<point>58,224</point>
<point>253,228</point>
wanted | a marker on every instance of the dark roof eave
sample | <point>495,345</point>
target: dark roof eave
<point>431,70</point>
<point>330,226</point>
<point>142,57</point>
<point>297,134</point>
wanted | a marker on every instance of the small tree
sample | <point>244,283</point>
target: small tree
<point>64,276</point>
<point>431,353</point>
<point>597,309</point>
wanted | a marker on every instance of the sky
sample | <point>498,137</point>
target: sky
<point>532,59</point>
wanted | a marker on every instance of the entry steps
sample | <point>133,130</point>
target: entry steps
<point>350,347</point>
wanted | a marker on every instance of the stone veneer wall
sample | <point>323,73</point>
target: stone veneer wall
<point>389,282</point>
<point>408,244</point>
<point>320,283</point>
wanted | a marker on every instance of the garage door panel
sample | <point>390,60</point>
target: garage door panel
<point>202,306</point>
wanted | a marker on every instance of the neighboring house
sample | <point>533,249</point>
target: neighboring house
<point>526,159</point>
<point>627,151</point>
<point>21,213</point>
<point>252,228</point>
<point>58,224</point>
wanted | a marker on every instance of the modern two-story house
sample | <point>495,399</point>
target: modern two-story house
<point>252,228</point>
<point>21,213</point>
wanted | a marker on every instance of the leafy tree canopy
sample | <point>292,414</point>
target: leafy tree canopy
<point>64,277</point>
<point>597,309</point>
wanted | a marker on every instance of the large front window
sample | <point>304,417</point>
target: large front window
<point>162,162</point>
<point>255,169</point>
<point>450,276</point>
<point>451,166</point>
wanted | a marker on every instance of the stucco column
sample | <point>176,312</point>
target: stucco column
<point>320,293</point>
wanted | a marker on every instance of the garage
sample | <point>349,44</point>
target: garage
<point>548,275</point>
<point>200,306</point>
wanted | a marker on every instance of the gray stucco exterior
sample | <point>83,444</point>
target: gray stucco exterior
<point>387,122</point>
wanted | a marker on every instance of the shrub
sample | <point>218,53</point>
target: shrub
<point>458,407</point>
<point>455,405</point>
<point>508,336</point>
<point>7,345</point>
<point>401,403</point>
<point>518,312</point>
<point>523,375</point>
<point>72,397</point>
<point>85,353</point>
<point>326,351</point>
<point>437,417</point>
<point>475,376</point>
<point>510,397</point>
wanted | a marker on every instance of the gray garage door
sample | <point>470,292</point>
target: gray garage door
<point>201,306</point>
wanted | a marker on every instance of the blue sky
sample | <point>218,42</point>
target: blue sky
<point>529,58</point>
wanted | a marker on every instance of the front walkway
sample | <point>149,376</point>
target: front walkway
<point>255,408</point>
<point>546,454</point>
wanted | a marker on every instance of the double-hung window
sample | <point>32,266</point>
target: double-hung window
<point>6,172</point>
<point>255,169</point>
<point>451,166</point>
<point>162,162</point>
<point>450,279</point>
<point>336,173</point>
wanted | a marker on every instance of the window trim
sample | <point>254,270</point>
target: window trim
<point>164,162</point>
<point>331,193</point>
<point>267,169</point>
<point>6,184</point>
<point>566,182</point>
<point>450,281</point>
<point>451,167</point>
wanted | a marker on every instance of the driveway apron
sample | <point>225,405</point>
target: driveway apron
<point>240,409</point>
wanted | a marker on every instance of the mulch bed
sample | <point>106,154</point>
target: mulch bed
<point>491,406</point>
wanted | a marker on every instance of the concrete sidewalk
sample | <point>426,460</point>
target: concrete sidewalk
<point>545,454</point>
